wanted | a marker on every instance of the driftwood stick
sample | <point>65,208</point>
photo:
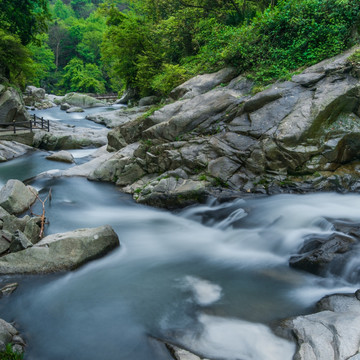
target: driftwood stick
<point>42,216</point>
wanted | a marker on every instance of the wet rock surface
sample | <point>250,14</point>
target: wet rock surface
<point>296,136</point>
<point>332,333</point>
<point>15,197</point>
<point>332,253</point>
<point>61,252</point>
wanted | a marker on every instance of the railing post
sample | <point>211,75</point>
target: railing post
<point>34,120</point>
<point>14,126</point>
<point>42,122</point>
<point>48,125</point>
<point>30,125</point>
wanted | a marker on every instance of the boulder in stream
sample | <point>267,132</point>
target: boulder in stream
<point>15,197</point>
<point>61,252</point>
<point>325,254</point>
<point>81,100</point>
<point>62,156</point>
<point>332,333</point>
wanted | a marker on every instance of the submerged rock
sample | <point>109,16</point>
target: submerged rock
<point>321,255</point>
<point>61,252</point>
<point>8,289</point>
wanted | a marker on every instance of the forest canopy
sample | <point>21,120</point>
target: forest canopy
<point>151,46</point>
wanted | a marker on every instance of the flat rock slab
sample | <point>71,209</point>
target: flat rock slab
<point>12,149</point>
<point>61,252</point>
<point>15,197</point>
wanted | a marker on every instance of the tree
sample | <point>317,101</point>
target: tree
<point>15,61</point>
<point>24,18</point>
<point>83,77</point>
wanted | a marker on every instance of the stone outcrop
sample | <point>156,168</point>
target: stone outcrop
<point>12,107</point>
<point>330,334</point>
<point>61,252</point>
<point>81,100</point>
<point>201,84</point>
<point>299,135</point>
<point>16,198</point>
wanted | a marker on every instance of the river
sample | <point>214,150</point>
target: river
<point>212,278</point>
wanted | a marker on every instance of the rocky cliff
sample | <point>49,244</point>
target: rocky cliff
<point>215,134</point>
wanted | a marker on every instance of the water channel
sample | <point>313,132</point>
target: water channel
<point>212,278</point>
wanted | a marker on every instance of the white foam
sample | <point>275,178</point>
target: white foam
<point>234,339</point>
<point>204,292</point>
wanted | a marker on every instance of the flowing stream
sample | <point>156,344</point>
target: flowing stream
<point>212,278</point>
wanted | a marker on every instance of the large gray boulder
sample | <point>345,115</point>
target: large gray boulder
<point>15,197</point>
<point>201,84</point>
<point>201,112</point>
<point>61,252</point>
<point>12,107</point>
<point>81,100</point>
<point>331,334</point>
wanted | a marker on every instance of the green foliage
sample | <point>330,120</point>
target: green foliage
<point>168,79</point>
<point>15,62</point>
<point>9,354</point>
<point>24,19</point>
<point>354,59</point>
<point>82,77</point>
<point>44,61</point>
<point>295,33</point>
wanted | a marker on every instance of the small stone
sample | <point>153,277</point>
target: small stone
<point>9,288</point>
<point>357,294</point>
<point>63,156</point>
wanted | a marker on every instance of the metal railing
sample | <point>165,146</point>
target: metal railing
<point>34,123</point>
